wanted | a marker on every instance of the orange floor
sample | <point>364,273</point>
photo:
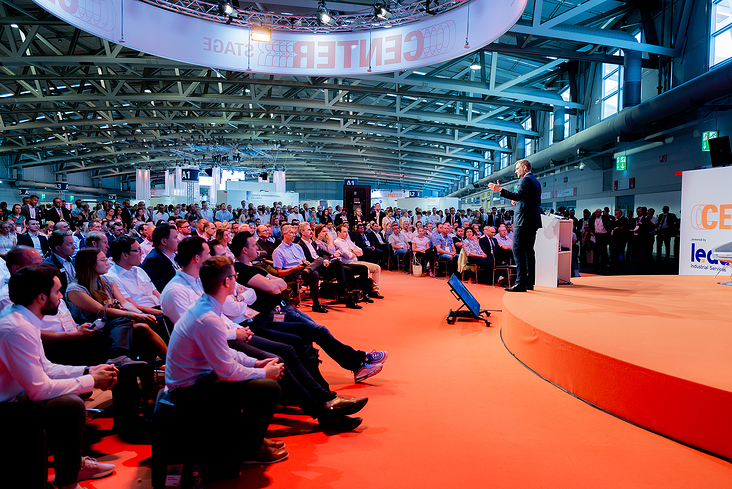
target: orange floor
<point>451,408</point>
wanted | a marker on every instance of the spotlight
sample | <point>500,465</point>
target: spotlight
<point>228,8</point>
<point>261,34</point>
<point>475,65</point>
<point>382,13</point>
<point>324,16</point>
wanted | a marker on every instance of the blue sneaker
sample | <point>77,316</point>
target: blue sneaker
<point>377,356</point>
<point>367,370</point>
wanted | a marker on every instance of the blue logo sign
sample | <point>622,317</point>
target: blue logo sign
<point>415,193</point>
<point>702,259</point>
<point>350,181</point>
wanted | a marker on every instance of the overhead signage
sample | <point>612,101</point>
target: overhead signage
<point>350,181</point>
<point>112,196</point>
<point>429,41</point>
<point>706,136</point>
<point>415,193</point>
<point>62,186</point>
<point>189,174</point>
<point>24,191</point>
<point>621,163</point>
<point>566,192</point>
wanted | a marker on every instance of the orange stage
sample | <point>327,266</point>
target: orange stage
<point>653,350</point>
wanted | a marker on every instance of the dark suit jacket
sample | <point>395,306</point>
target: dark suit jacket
<point>362,241</point>
<point>25,239</point>
<point>528,198</point>
<point>52,215</point>
<point>372,238</point>
<point>485,245</point>
<point>607,223</point>
<point>55,262</point>
<point>159,269</point>
<point>24,211</point>
<point>381,216</point>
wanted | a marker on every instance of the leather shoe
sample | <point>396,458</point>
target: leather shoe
<point>353,305</point>
<point>515,288</point>
<point>529,287</point>
<point>339,423</point>
<point>376,295</point>
<point>319,308</point>
<point>345,405</point>
<point>367,299</point>
<point>274,443</point>
<point>268,455</point>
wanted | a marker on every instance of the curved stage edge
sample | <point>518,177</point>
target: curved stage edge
<point>653,350</point>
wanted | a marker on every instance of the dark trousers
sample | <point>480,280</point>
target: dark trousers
<point>244,409</point>
<point>92,350</point>
<point>63,418</point>
<point>426,258</point>
<point>311,279</point>
<point>335,270</point>
<point>663,239</point>
<point>601,243</point>
<point>485,266</point>
<point>523,254</point>
<point>360,274</point>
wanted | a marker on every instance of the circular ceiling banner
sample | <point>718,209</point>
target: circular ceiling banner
<point>153,30</point>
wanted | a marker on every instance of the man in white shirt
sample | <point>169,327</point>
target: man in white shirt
<point>185,288</point>
<point>132,281</point>
<point>36,392</point>
<point>399,245</point>
<point>160,215</point>
<point>350,253</point>
<point>201,366</point>
<point>294,214</point>
<point>206,213</point>
<point>33,238</point>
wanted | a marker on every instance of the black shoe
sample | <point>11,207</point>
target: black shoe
<point>339,423</point>
<point>367,299</point>
<point>515,288</point>
<point>529,287</point>
<point>353,305</point>
<point>376,295</point>
<point>319,308</point>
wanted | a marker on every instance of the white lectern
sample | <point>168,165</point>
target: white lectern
<point>553,249</point>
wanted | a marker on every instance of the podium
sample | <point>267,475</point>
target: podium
<point>553,250</point>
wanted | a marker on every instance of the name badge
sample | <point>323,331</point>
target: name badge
<point>278,318</point>
<point>67,322</point>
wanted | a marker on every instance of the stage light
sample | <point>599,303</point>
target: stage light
<point>382,13</point>
<point>228,8</point>
<point>475,65</point>
<point>261,34</point>
<point>324,16</point>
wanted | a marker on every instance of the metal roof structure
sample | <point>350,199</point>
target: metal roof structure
<point>83,104</point>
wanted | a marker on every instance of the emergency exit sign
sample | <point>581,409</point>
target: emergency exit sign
<point>706,136</point>
<point>621,163</point>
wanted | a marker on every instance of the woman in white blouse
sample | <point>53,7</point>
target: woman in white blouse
<point>8,238</point>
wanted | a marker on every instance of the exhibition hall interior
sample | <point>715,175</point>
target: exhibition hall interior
<point>339,244</point>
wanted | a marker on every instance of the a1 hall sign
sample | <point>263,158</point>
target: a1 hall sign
<point>153,30</point>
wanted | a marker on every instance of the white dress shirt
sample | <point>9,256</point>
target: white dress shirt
<point>158,216</point>
<point>198,347</point>
<point>134,284</point>
<point>24,367</point>
<point>207,214</point>
<point>62,322</point>
<point>145,249</point>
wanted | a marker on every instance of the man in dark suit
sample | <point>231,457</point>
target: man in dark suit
<point>527,199</point>
<point>161,264</point>
<point>668,225</point>
<point>376,238</point>
<point>601,226</point>
<point>33,238</point>
<point>62,248</point>
<point>378,214</point>
<point>58,212</point>
<point>361,239</point>
<point>127,214</point>
<point>32,210</point>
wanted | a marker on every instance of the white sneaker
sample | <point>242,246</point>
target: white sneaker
<point>367,370</point>
<point>91,469</point>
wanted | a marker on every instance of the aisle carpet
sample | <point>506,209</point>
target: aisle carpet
<point>451,408</point>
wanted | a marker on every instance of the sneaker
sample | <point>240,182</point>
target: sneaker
<point>91,469</point>
<point>377,356</point>
<point>367,370</point>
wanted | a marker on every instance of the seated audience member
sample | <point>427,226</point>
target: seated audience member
<point>361,239</point>
<point>270,302</point>
<point>476,255</point>
<point>350,253</point>
<point>422,250</point>
<point>376,238</point>
<point>183,227</point>
<point>146,244</point>
<point>445,249</point>
<point>64,341</point>
<point>505,244</point>
<point>308,393</point>
<point>356,273</point>
<point>328,269</point>
<point>34,238</point>
<point>160,264</point>
<point>36,392</point>
<point>8,237</point>
<point>223,236</point>
<point>93,296</point>
<point>97,240</point>
<point>494,254</point>
<point>458,235</point>
<point>61,244</point>
<point>399,244</point>
<point>266,244</point>
<point>290,263</point>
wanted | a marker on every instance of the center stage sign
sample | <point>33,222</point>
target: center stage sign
<point>153,30</point>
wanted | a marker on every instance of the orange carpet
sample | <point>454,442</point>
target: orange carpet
<point>451,408</point>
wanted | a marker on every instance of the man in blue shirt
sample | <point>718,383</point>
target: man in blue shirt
<point>290,263</point>
<point>445,249</point>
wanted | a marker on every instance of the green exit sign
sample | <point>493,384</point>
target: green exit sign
<point>706,136</point>
<point>621,163</point>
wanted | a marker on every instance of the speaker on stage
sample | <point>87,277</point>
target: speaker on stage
<point>719,150</point>
<point>355,196</point>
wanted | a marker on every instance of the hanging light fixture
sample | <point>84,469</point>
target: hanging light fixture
<point>229,9</point>
<point>261,34</point>
<point>324,16</point>
<point>475,65</point>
